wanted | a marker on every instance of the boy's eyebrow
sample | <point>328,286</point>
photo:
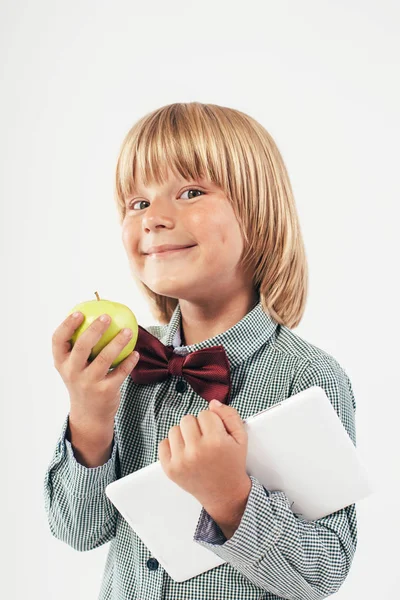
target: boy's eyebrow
<point>135,190</point>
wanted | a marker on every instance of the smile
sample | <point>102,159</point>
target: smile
<point>170,253</point>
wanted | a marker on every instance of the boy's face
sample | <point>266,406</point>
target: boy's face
<point>172,214</point>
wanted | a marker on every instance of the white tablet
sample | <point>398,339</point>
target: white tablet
<point>298,446</point>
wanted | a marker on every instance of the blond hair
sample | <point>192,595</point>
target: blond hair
<point>235,152</point>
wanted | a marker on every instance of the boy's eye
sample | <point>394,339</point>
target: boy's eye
<point>133,203</point>
<point>191,190</point>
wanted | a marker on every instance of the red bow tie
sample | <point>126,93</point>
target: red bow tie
<point>206,370</point>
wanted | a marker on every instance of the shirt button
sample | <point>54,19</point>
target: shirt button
<point>181,386</point>
<point>152,564</point>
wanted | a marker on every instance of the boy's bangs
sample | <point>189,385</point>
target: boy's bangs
<point>173,144</point>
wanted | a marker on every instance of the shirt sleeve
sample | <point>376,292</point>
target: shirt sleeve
<point>78,511</point>
<point>278,550</point>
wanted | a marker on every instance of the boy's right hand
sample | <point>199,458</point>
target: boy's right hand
<point>94,393</point>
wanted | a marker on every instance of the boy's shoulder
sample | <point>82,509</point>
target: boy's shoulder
<point>318,365</point>
<point>291,343</point>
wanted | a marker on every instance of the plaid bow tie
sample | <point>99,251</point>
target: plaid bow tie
<point>207,370</point>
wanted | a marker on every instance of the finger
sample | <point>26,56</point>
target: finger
<point>210,422</point>
<point>176,441</point>
<point>118,375</point>
<point>61,345</point>
<point>190,430</point>
<point>84,344</point>
<point>164,453</point>
<point>231,421</point>
<point>101,365</point>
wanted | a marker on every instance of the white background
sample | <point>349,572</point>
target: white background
<point>323,79</point>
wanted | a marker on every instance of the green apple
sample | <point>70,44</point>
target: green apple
<point>121,316</point>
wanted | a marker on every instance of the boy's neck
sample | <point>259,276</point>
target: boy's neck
<point>202,323</point>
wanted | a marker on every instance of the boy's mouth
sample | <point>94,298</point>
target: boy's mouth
<point>168,253</point>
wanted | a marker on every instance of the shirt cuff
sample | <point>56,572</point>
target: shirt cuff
<point>79,480</point>
<point>259,528</point>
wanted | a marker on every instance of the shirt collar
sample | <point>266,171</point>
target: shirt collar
<point>254,330</point>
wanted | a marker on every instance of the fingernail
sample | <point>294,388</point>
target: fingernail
<point>217,402</point>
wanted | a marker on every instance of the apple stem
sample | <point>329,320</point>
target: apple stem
<point>97,296</point>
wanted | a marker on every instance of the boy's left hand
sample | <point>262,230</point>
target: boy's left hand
<point>206,456</point>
